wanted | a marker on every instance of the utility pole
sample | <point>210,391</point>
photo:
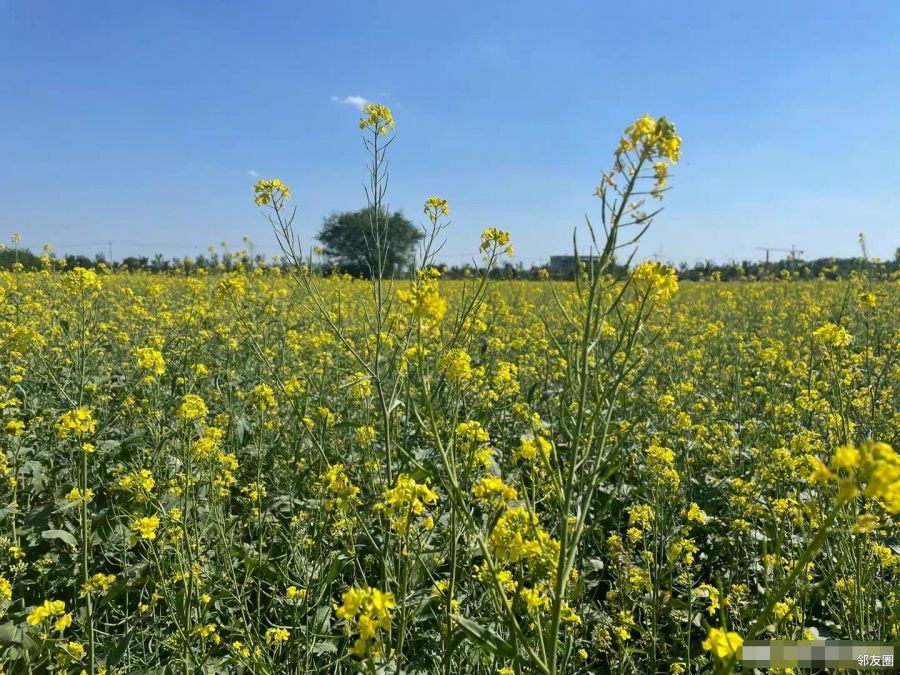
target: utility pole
<point>793,250</point>
<point>110,254</point>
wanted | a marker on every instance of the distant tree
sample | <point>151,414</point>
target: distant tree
<point>9,257</point>
<point>159,263</point>
<point>349,245</point>
<point>135,263</point>
<point>72,261</point>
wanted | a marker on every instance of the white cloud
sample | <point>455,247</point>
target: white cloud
<point>356,101</point>
<point>251,172</point>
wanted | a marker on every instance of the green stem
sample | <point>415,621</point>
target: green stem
<point>85,560</point>
<point>761,621</point>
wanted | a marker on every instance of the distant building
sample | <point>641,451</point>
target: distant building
<point>562,265</point>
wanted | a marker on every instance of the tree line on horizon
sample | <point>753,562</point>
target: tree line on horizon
<point>346,249</point>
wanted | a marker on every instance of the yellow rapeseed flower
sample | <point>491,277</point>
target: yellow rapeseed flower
<point>150,359</point>
<point>75,423</point>
<point>82,281</point>
<point>276,636</point>
<point>192,408</point>
<point>832,335</point>
<point>5,588</point>
<point>49,609</point>
<point>75,494</point>
<point>271,192</point>
<point>367,611</point>
<point>435,207</point>
<point>405,501</point>
<point>377,117</point>
<point>723,645</point>
<point>493,491</point>
<point>145,528</point>
<point>655,279</point>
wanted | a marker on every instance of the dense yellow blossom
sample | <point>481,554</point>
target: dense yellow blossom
<point>405,501</point>
<point>456,364</point>
<point>275,636</point>
<point>271,192</point>
<point>655,279</point>
<point>151,360</point>
<point>82,281</point>
<point>192,407</point>
<point>366,611</point>
<point>5,588</point>
<point>145,528</point>
<point>76,423</point>
<point>377,117</point>
<point>423,298</point>
<point>873,468</point>
<point>724,645</point>
<point>46,611</point>
<point>518,534</point>
<point>492,490</point>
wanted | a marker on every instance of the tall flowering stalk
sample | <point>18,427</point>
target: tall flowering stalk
<point>404,323</point>
<point>83,287</point>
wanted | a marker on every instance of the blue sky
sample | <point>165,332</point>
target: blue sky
<point>141,123</point>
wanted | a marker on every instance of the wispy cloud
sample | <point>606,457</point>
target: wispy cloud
<point>356,101</point>
<point>251,172</point>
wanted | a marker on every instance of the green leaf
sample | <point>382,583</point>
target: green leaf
<point>118,650</point>
<point>10,633</point>
<point>485,638</point>
<point>324,648</point>
<point>67,537</point>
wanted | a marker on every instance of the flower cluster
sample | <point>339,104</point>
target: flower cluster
<point>832,335</point>
<point>49,610</point>
<point>495,240</point>
<point>98,583</point>
<point>192,408</point>
<point>277,636</point>
<point>76,423</point>
<point>144,529</point>
<point>423,299</point>
<point>723,645</point>
<point>151,360</point>
<point>456,364</point>
<point>367,613</point>
<point>872,467</point>
<point>493,491</point>
<point>435,207</point>
<point>341,498</point>
<point>651,138</point>
<point>518,535</point>
<point>655,280</point>
<point>377,117</point>
<point>405,502</point>
<point>271,193</point>
<point>82,282</point>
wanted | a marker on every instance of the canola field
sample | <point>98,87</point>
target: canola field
<point>264,470</point>
<point>199,475</point>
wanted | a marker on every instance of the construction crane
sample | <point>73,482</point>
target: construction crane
<point>793,250</point>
